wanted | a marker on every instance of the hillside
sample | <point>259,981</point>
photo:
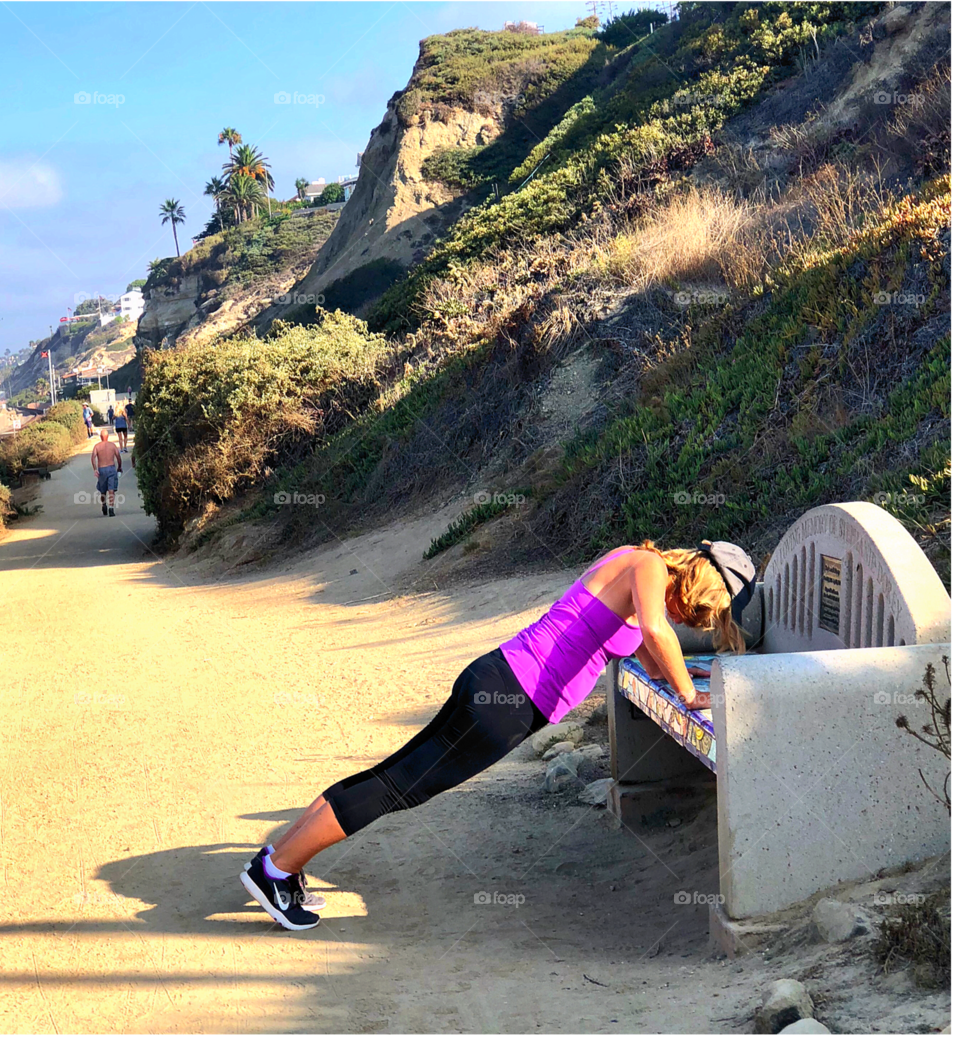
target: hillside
<point>473,96</point>
<point>82,344</point>
<point>721,298</point>
<point>230,277</point>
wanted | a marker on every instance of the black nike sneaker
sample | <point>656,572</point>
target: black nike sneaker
<point>112,512</point>
<point>309,899</point>
<point>280,898</point>
<point>103,508</point>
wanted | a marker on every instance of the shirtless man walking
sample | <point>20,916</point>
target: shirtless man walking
<point>107,466</point>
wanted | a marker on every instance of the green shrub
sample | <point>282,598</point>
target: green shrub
<point>630,26</point>
<point>331,194</point>
<point>69,414</point>
<point>6,506</point>
<point>41,443</point>
<point>475,517</point>
<point>210,423</point>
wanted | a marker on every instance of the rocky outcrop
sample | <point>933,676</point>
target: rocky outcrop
<point>196,299</point>
<point>395,213</point>
<point>169,308</point>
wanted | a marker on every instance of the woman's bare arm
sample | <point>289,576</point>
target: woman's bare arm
<point>649,663</point>
<point>649,593</point>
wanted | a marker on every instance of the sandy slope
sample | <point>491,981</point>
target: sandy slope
<point>158,726</point>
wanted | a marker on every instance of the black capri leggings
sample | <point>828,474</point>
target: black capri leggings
<point>487,715</point>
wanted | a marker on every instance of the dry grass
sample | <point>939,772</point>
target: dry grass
<point>702,236</point>
<point>837,202</point>
<point>921,127</point>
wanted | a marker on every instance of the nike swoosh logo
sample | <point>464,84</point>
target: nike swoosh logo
<point>281,897</point>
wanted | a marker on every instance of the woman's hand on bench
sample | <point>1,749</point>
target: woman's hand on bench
<point>696,700</point>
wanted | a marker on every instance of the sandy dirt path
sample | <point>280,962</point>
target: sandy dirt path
<point>158,726</point>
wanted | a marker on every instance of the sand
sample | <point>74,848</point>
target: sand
<point>160,722</point>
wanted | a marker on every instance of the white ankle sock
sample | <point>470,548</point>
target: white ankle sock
<point>272,871</point>
<point>270,848</point>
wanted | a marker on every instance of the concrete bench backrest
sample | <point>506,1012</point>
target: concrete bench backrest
<point>849,576</point>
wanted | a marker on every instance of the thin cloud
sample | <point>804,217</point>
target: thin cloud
<point>28,184</point>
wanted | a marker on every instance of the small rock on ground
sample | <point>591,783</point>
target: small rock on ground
<point>565,731</point>
<point>559,776</point>
<point>806,1026</point>
<point>836,922</point>
<point>556,749</point>
<point>596,792</point>
<point>783,1002</point>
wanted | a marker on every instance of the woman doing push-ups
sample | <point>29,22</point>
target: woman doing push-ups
<point>617,608</point>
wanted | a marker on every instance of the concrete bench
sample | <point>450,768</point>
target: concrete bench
<point>815,783</point>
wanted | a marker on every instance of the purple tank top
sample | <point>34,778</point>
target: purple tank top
<point>558,659</point>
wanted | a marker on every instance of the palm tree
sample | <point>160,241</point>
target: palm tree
<point>245,194</point>
<point>251,163</point>
<point>172,213</point>
<point>229,136</point>
<point>301,185</point>
<point>216,188</point>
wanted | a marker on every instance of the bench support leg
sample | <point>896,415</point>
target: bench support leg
<point>653,774</point>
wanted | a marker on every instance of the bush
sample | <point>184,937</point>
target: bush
<point>211,423</point>
<point>41,443</point>
<point>330,194</point>
<point>631,26</point>
<point>69,414</point>
<point>46,442</point>
<point>6,506</point>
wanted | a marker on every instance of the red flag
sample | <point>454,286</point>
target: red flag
<point>44,353</point>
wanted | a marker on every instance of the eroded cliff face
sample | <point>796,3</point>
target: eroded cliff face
<point>395,213</point>
<point>199,299</point>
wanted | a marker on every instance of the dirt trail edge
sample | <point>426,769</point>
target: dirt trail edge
<point>158,726</point>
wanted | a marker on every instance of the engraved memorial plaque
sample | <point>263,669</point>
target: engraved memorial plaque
<point>830,594</point>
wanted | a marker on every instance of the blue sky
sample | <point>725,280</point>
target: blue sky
<point>80,184</point>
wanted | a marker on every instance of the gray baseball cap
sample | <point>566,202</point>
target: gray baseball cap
<point>738,572</point>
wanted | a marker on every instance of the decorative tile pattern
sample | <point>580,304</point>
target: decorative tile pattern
<point>693,729</point>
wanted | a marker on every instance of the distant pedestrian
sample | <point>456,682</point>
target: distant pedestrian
<point>88,419</point>
<point>107,466</point>
<point>120,424</point>
<point>129,411</point>
<point>110,415</point>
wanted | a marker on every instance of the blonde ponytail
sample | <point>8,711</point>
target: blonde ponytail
<point>701,596</point>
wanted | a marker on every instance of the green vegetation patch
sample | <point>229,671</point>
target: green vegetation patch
<point>211,423</point>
